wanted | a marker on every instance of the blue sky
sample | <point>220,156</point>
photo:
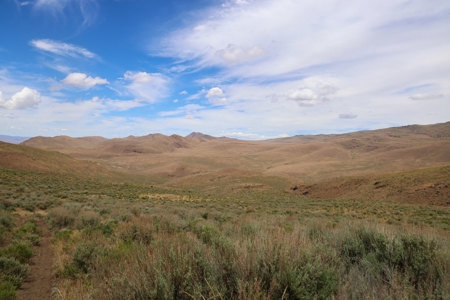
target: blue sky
<point>250,69</point>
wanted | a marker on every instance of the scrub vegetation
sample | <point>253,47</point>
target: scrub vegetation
<point>133,240</point>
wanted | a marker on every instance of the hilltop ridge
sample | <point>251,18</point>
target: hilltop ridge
<point>306,158</point>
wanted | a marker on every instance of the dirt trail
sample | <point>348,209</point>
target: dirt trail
<point>38,285</point>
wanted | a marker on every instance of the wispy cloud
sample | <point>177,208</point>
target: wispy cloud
<point>426,96</point>
<point>86,8</point>
<point>148,87</point>
<point>62,49</point>
<point>302,34</point>
<point>323,56</point>
<point>233,54</point>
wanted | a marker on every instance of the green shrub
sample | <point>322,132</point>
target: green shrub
<point>125,218</point>
<point>43,205</point>
<point>135,233</point>
<point>357,245</point>
<point>6,221</point>
<point>87,219</point>
<point>63,234</point>
<point>29,228</point>
<point>310,279</point>
<point>61,217</point>
<point>12,271</point>
<point>208,234</point>
<point>410,256</point>
<point>417,258</point>
<point>21,251</point>
<point>7,291</point>
<point>83,259</point>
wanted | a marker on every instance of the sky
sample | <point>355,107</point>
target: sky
<point>248,69</point>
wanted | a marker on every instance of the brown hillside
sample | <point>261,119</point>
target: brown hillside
<point>304,158</point>
<point>423,186</point>
<point>200,136</point>
<point>98,147</point>
<point>63,142</point>
<point>26,158</point>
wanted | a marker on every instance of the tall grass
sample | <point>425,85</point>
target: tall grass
<point>152,258</point>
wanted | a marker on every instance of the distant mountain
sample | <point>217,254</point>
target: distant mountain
<point>199,135</point>
<point>433,131</point>
<point>306,158</point>
<point>63,142</point>
<point>101,147</point>
<point>13,139</point>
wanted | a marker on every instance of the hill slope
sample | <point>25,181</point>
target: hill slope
<point>25,158</point>
<point>424,186</point>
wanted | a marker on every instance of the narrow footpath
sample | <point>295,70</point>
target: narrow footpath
<point>38,285</point>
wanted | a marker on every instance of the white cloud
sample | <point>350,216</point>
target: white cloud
<point>301,34</point>
<point>303,94</point>
<point>62,48</point>
<point>218,101</point>
<point>209,81</point>
<point>189,109</point>
<point>197,95</point>
<point>215,92</point>
<point>138,77</point>
<point>61,68</point>
<point>347,116</point>
<point>371,50</point>
<point>82,80</point>
<point>234,54</point>
<point>146,86</point>
<point>116,105</point>
<point>216,96</point>
<point>175,101</point>
<point>426,96</point>
<point>27,98</point>
<point>183,93</point>
<point>317,92</point>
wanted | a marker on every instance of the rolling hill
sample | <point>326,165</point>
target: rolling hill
<point>20,157</point>
<point>305,158</point>
<point>202,161</point>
